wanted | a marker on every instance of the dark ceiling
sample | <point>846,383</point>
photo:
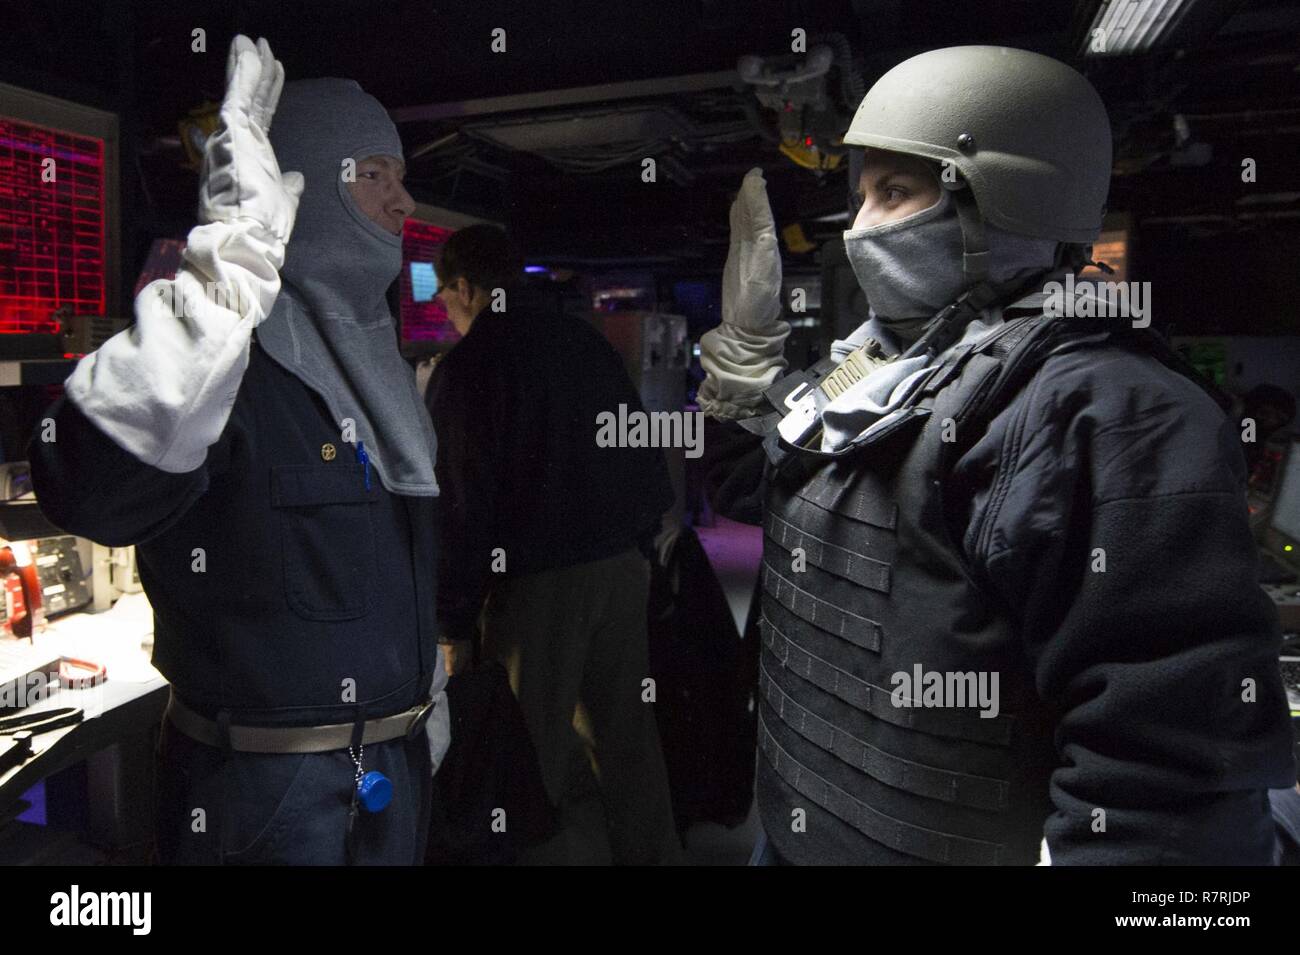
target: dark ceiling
<point>563,171</point>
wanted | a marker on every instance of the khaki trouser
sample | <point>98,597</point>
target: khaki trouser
<point>574,643</point>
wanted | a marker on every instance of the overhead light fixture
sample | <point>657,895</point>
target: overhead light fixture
<point>1124,27</point>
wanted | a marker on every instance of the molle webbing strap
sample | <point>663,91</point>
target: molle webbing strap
<point>978,792</point>
<point>878,701</point>
<point>894,833</point>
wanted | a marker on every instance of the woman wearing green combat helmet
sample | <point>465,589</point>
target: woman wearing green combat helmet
<point>1008,582</point>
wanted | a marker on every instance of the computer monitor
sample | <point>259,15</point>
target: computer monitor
<point>58,211</point>
<point>424,282</point>
<point>1285,519</point>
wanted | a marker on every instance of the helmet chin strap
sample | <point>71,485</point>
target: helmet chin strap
<point>975,245</point>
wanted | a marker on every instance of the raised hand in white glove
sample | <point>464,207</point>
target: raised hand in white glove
<point>163,388</point>
<point>751,279</point>
<point>240,178</point>
<point>744,354</point>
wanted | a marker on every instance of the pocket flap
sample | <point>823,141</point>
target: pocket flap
<point>307,485</point>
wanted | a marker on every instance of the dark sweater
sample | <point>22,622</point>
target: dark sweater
<point>515,408</point>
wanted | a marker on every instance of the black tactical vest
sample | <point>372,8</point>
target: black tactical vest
<point>862,580</point>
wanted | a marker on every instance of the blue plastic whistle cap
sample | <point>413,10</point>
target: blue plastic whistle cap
<point>375,791</point>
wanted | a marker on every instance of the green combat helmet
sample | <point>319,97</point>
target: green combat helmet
<point>1027,133</point>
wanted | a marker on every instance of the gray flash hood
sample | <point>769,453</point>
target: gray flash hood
<point>330,326</point>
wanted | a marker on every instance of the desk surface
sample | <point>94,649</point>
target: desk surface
<point>130,700</point>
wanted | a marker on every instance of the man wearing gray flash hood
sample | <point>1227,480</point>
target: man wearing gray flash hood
<point>1008,582</point>
<point>260,440</point>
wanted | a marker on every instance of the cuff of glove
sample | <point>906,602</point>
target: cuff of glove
<point>738,409</point>
<point>239,262</point>
<point>740,365</point>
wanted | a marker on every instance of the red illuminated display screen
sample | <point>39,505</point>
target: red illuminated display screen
<point>51,232</point>
<point>422,317</point>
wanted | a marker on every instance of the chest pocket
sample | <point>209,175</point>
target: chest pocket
<point>327,539</point>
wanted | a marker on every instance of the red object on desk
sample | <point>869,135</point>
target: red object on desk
<point>26,598</point>
<point>77,674</point>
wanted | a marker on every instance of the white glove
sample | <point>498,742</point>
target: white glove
<point>438,729</point>
<point>744,354</point>
<point>240,177</point>
<point>163,388</point>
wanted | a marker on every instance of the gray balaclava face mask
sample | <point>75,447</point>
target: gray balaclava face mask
<point>330,326</point>
<point>911,268</point>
